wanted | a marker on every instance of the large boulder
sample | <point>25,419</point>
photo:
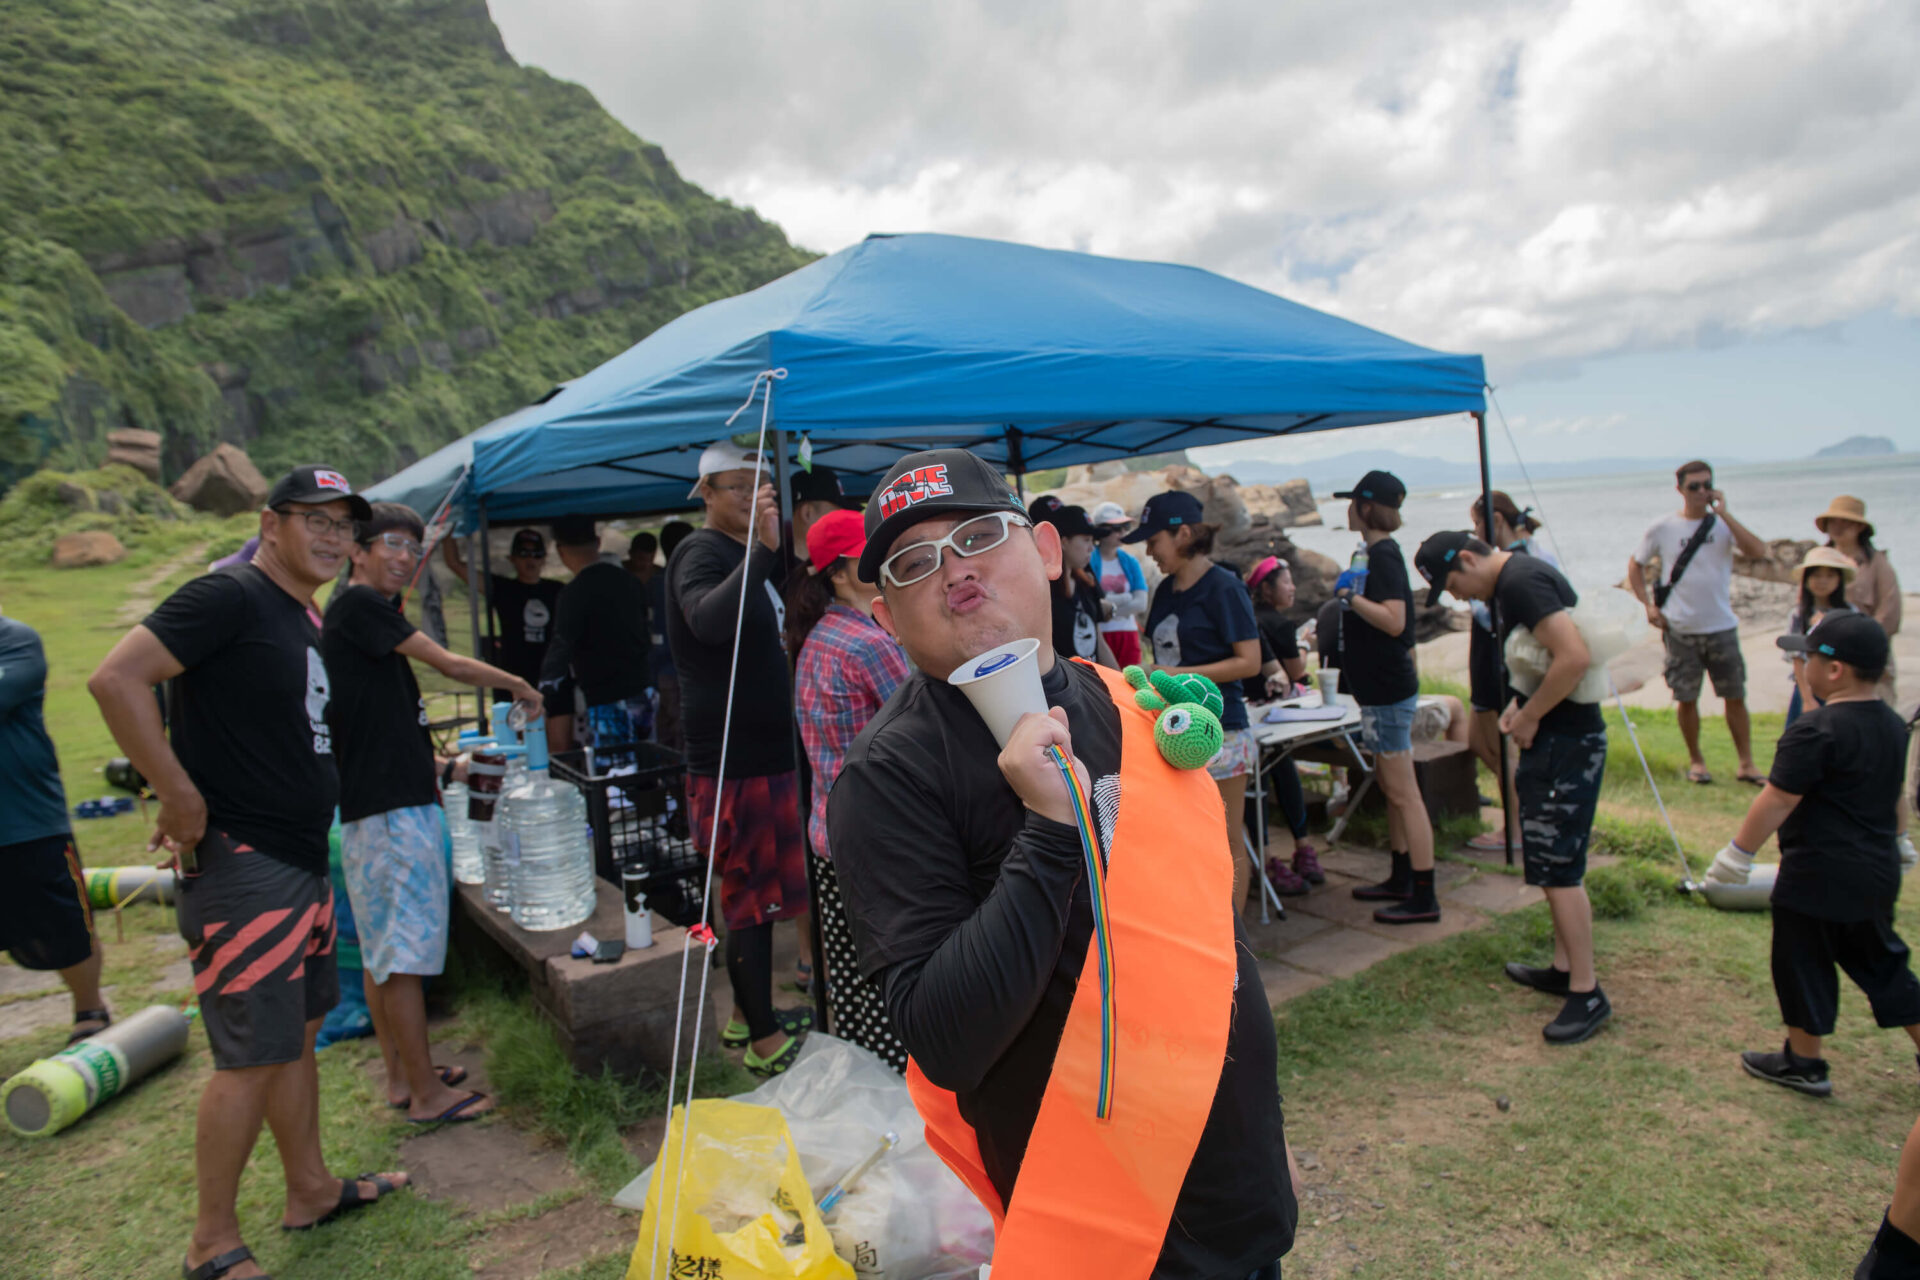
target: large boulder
<point>1784,556</point>
<point>224,482</point>
<point>80,550</point>
<point>137,449</point>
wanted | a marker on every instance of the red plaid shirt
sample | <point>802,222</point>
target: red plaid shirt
<point>848,669</point>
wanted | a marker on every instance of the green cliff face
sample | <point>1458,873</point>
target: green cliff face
<point>347,230</point>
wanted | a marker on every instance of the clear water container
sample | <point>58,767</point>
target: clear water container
<point>493,851</point>
<point>546,843</point>
<point>468,868</point>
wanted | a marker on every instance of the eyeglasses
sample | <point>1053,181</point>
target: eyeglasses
<point>920,560</point>
<point>319,523</point>
<point>1698,485</point>
<point>400,542</point>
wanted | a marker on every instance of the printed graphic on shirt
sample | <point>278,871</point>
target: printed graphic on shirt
<point>534,619</point>
<point>1085,643</point>
<point>914,488</point>
<point>317,692</point>
<point>779,609</point>
<point>1166,641</point>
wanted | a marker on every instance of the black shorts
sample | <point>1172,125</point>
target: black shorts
<point>1806,952</point>
<point>1557,785</point>
<point>261,935</point>
<point>45,919</point>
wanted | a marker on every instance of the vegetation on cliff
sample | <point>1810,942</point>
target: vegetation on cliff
<point>340,229</point>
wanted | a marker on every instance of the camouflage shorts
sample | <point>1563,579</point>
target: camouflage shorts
<point>1558,787</point>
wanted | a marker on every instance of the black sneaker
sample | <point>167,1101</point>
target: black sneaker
<point>1550,980</point>
<point>1790,1071</point>
<point>1584,1013</point>
<point>1397,887</point>
<point>1418,907</point>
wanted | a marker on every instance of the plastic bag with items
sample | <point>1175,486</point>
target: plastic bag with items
<point>1610,620</point>
<point>909,1217</point>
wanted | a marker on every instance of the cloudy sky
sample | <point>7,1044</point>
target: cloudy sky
<point>1671,227</point>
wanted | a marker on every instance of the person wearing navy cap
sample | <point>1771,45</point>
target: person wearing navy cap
<point>1201,620</point>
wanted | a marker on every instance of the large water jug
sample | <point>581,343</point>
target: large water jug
<point>468,868</point>
<point>546,843</point>
<point>493,849</point>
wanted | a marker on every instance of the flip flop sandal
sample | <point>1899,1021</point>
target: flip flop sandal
<point>457,1112</point>
<point>1751,779</point>
<point>100,1016</point>
<point>218,1265</point>
<point>767,1068</point>
<point>1490,842</point>
<point>1699,777</point>
<point>736,1035</point>
<point>449,1076</point>
<point>350,1199</point>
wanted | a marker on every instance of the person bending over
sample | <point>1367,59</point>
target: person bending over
<point>964,876</point>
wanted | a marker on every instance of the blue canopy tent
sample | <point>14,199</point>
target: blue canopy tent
<point>1033,358</point>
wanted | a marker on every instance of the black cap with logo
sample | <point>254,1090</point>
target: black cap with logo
<point>822,484</point>
<point>1853,638</point>
<point>528,542</point>
<point>929,483</point>
<point>1435,560</point>
<point>318,484</point>
<point>1167,510</point>
<point>1382,487</point>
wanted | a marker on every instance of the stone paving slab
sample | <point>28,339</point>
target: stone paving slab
<point>1342,953</point>
<point>1284,981</point>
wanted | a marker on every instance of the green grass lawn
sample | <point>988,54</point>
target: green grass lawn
<point>1643,1153</point>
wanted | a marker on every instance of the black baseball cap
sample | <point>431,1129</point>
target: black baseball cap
<point>1167,510</point>
<point>929,483</point>
<point>822,484</point>
<point>528,542</point>
<point>1070,521</point>
<point>1044,508</point>
<point>1853,638</point>
<point>1382,487</point>
<point>318,484</point>
<point>1435,560</point>
<point>575,531</point>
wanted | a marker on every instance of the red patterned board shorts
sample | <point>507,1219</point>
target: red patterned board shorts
<point>759,855</point>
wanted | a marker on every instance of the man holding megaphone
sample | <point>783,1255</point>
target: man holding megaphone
<point>1120,1125</point>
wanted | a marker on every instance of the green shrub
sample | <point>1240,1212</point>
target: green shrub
<point>1624,890</point>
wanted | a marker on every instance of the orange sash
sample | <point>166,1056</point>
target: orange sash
<point>1094,1197</point>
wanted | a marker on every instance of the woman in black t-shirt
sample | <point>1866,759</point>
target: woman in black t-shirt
<point>1079,605</point>
<point>1201,620</point>
<point>1381,676</point>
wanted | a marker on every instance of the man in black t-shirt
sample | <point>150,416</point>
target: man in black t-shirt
<point>393,849</point>
<point>750,826</point>
<point>247,789</point>
<point>523,605</point>
<point>962,869</point>
<point>1833,796</point>
<point>601,637</point>
<point>1563,755</point>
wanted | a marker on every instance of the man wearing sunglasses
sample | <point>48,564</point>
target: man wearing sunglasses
<point>247,790</point>
<point>392,837</point>
<point>965,883</point>
<point>1692,605</point>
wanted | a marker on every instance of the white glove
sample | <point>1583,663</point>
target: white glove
<point>1732,865</point>
<point>1908,857</point>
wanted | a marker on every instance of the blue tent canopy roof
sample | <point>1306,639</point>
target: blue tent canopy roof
<point>1033,358</point>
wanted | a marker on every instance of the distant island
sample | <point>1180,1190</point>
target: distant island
<point>1858,447</point>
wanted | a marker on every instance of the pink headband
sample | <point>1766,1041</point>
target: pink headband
<point>1261,570</point>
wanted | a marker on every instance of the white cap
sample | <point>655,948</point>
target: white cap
<point>1109,513</point>
<point>725,455</point>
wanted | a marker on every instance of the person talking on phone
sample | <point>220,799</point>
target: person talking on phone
<point>1692,605</point>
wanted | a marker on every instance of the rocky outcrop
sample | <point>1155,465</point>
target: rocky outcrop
<point>83,550</point>
<point>137,449</point>
<point>1778,566</point>
<point>224,482</point>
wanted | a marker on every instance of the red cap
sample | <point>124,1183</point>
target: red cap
<point>836,534</point>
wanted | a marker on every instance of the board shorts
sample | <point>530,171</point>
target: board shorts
<point>1715,654</point>
<point>1806,952</point>
<point>1388,729</point>
<point>759,855</point>
<point>260,933</point>
<point>46,921</point>
<point>399,873</point>
<point>1238,755</point>
<point>1557,785</point>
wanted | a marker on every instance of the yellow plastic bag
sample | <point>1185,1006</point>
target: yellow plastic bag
<point>741,1193</point>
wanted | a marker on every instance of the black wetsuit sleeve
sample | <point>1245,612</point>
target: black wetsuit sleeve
<point>961,978</point>
<point>709,596</point>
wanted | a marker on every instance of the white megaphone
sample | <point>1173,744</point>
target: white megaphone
<point>1003,684</point>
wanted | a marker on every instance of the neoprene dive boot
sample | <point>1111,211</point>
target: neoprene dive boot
<point>1395,888</point>
<point>1418,907</point>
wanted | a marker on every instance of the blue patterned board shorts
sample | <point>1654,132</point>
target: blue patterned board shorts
<point>399,873</point>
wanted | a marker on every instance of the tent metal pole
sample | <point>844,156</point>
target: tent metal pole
<point>1017,463</point>
<point>484,592</point>
<point>474,542</point>
<point>1499,658</point>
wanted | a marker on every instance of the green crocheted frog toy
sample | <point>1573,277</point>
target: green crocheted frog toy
<point>1188,709</point>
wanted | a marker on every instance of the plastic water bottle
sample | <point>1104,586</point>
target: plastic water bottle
<point>545,842</point>
<point>1359,562</point>
<point>493,849</point>
<point>468,868</point>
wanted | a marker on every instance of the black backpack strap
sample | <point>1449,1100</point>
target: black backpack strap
<point>1680,562</point>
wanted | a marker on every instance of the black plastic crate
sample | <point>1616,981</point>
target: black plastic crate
<point>639,820</point>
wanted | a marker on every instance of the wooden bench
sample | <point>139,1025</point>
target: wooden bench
<point>618,1015</point>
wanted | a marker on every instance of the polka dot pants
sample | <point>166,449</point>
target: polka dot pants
<point>855,1005</point>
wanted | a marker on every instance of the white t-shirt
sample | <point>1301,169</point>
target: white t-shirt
<point>1703,602</point>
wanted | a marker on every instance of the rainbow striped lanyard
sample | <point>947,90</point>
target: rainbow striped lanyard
<point>1102,933</point>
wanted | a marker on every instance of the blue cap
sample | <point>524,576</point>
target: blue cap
<point>1167,510</point>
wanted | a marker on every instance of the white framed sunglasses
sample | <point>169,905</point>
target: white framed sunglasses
<point>399,542</point>
<point>920,560</point>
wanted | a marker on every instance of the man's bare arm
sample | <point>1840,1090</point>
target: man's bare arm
<point>123,685</point>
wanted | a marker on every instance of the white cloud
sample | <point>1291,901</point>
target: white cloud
<point>1540,183</point>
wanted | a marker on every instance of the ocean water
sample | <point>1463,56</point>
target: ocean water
<point>1594,523</point>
